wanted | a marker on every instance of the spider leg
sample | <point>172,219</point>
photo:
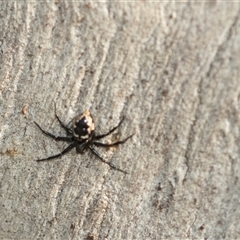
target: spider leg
<point>66,150</point>
<point>112,130</point>
<point>68,130</point>
<point>99,144</point>
<point>57,138</point>
<point>96,153</point>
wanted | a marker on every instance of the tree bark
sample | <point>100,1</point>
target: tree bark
<point>172,69</point>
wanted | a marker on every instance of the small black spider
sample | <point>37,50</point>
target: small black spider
<point>82,136</point>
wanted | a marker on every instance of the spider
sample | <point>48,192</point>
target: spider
<point>82,136</point>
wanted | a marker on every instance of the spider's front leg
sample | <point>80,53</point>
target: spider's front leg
<point>95,152</point>
<point>66,150</point>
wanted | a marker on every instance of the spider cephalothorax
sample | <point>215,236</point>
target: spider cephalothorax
<point>82,136</point>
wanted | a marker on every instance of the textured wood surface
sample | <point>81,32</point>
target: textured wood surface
<point>172,69</point>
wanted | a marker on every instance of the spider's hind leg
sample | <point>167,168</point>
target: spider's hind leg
<point>112,130</point>
<point>68,130</point>
<point>99,144</point>
<point>57,138</point>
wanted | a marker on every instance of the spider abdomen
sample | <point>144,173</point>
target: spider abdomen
<point>83,126</point>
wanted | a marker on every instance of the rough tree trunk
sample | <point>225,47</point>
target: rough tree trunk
<point>172,69</point>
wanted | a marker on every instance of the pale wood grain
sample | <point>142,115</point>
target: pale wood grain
<point>172,69</point>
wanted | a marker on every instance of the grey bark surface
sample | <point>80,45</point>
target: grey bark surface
<point>172,69</point>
